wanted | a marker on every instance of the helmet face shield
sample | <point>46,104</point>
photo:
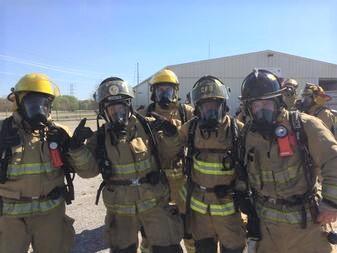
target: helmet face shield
<point>36,108</point>
<point>307,102</point>
<point>211,114</point>
<point>165,94</point>
<point>118,113</point>
<point>264,112</point>
<point>289,97</point>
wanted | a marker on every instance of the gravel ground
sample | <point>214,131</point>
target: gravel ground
<point>89,218</point>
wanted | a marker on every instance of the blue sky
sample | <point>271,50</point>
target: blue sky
<point>83,42</point>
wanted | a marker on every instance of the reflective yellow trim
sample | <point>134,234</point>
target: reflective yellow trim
<point>281,216</point>
<point>210,168</point>
<point>132,168</point>
<point>132,209</point>
<point>146,205</point>
<point>222,209</point>
<point>198,206</point>
<point>173,173</point>
<point>279,178</point>
<point>19,208</point>
<point>202,207</point>
<point>329,191</point>
<point>208,164</point>
<point>121,209</point>
<point>213,172</point>
<point>15,170</point>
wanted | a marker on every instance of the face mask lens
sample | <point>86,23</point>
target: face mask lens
<point>36,108</point>
<point>209,110</point>
<point>164,93</point>
<point>307,101</point>
<point>211,113</point>
<point>118,113</point>
<point>289,92</point>
<point>263,111</point>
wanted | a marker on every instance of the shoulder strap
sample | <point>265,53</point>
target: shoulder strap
<point>302,143</point>
<point>182,113</point>
<point>7,128</point>
<point>190,146</point>
<point>7,131</point>
<point>238,150</point>
<point>69,172</point>
<point>319,111</point>
<point>235,133</point>
<point>152,139</point>
<point>103,161</point>
<point>150,109</point>
<point>101,154</point>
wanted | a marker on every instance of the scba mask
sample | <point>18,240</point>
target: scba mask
<point>36,108</point>
<point>118,114</point>
<point>289,97</point>
<point>211,114</point>
<point>307,102</point>
<point>165,94</point>
<point>264,113</point>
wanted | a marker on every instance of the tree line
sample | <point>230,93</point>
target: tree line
<point>61,103</point>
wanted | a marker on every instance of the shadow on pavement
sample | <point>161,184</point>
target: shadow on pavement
<point>90,241</point>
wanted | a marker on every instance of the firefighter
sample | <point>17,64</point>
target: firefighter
<point>314,101</point>
<point>289,93</point>
<point>165,88</point>
<point>32,172</point>
<point>209,137</point>
<point>128,150</point>
<point>282,151</point>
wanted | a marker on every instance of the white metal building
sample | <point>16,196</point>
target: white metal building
<point>233,69</point>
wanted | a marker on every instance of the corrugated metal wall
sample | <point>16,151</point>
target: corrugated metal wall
<point>233,69</point>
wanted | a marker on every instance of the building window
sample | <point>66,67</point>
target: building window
<point>328,84</point>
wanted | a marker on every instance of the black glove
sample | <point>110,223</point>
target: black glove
<point>81,133</point>
<point>153,177</point>
<point>169,129</point>
<point>222,190</point>
<point>166,126</point>
<point>59,136</point>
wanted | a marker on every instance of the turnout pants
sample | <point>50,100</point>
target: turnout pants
<point>51,232</point>
<point>229,230</point>
<point>291,238</point>
<point>162,228</point>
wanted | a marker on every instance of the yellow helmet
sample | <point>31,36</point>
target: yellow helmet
<point>36,83</point>
<point>317,92</point>
<point>164,76</point>
<point>289,83</point>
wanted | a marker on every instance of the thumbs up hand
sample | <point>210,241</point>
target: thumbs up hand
<point>81,133</point>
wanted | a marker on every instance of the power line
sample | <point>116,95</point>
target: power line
<point>87,74</point>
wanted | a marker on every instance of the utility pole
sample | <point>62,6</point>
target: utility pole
<point>137,73</point>
<point>71,89</point>
<point>209,49</point>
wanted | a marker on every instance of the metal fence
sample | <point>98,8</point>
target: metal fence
<point>64,115</point>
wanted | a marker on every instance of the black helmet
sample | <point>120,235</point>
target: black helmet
<point>111,92</point>
<point>113,89</point>
<point>262,89</point>
<point>209,96</point>
<point>260,84</point>
<point>209,87</point>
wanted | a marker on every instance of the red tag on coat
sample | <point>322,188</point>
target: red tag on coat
<point>55,155</point>
<point>292,139</point>
<point>284,145</point>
